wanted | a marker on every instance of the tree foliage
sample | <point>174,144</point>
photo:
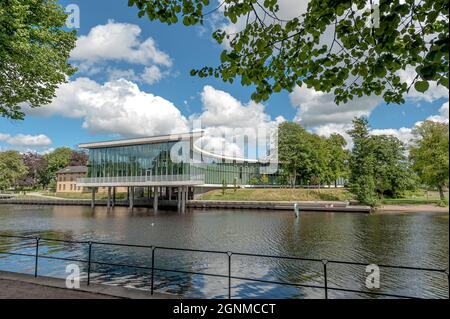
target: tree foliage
<point>33,170</point>
<point>429,154</point>
<point>79,158</point>
<point>359,58</point>
<point>37,168</point>
<point>378,165</point>
<point>11,169</point>
<point>34,50</point>
<point>57,160</point>
<point>338,158</point>
<point>308,157</point>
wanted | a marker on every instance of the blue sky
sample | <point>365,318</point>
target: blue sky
<point>72,120</point>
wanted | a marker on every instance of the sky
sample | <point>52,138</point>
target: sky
<point>133,80</point>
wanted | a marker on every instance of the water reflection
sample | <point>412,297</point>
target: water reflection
<point>399,239</point>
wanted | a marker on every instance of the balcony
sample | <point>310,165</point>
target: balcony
<point>150,180</point>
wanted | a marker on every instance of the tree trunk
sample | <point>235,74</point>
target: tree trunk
<point>441,192</point>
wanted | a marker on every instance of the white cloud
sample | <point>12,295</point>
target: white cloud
<point>119,41</point>
<point>433,93</point>
<point>289,9</point>
<point>26,140</point>
<point>328,129</point>
<point>318,108</point>
<point>404,134</point>
<point>222,109</point>
<point>443,114</point>
<point>117,74</point>
<point>149,75</point>
<point>152,74</point>
<point>117,107</point>
<point>227,120</point>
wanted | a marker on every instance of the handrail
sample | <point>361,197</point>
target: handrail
<point>228,276</point>
<point>142,179</point>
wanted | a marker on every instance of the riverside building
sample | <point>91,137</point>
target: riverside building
<point>169,168</point>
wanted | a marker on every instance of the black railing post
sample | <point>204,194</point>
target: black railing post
<point>229,274</point>
<point>89,264</point>
<point>324,263</point>
<point>153,269</point>
<point>36,257</point>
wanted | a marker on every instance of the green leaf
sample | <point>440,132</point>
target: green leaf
<point>421,86</point>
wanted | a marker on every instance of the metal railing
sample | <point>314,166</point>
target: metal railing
<point>141,179</point>
<point>229,276</point>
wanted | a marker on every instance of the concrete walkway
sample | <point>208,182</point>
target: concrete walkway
<point>21,286</point>
<point>36,194</point>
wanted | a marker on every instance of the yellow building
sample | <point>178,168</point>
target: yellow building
<point>66,179</point>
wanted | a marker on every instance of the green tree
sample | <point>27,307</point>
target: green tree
<point>378,165</point>
<point>34,50</point>
<point>360,59</point>
<point>338,158</point>
<point>36,166</point>
<point>12,169</point>
<point>291,149</point>
<point>429,154</point>
<point>302,155</point>
<point>56,160</point>
<point>392,171</point>
<point>362,162</point>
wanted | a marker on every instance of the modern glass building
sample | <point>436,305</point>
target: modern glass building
<point>160,160</point>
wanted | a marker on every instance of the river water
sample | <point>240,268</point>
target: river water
<point>408,239</point>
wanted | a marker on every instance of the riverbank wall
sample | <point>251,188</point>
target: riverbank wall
<point>318,206</point>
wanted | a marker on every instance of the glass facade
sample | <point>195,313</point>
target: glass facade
<point>154,160</point>
<point>134,160</point>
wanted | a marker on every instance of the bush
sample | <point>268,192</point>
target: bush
<point>443,203</point>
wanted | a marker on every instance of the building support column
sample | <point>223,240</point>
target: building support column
<point>155,199</point>
<point>113,197</point>
<point>186,198</point>
<point>170,193</point>
<point>93,197</point>
<point>183,199</point>
<point>179,199</point>
<point>108,200</point>
<point>131,197</point>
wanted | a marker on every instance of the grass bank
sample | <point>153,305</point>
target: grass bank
<point>278,194</point>
<point>419,197</point>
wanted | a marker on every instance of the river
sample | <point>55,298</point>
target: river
<point>408,239</point>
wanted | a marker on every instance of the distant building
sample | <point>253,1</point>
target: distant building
<point>66,179</point>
